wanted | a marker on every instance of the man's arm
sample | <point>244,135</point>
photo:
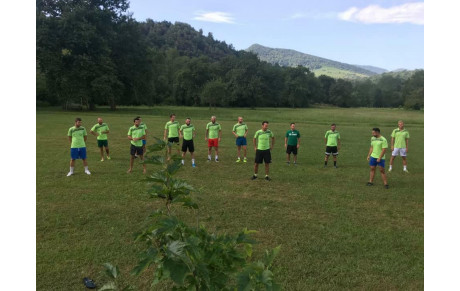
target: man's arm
<point>273,143</point>
<point>130,137</point>
<point>70,139</point>
<point>93,133</point>
<point>407,145</point>
<point>85,138</point>
<point>392,144</point>
<point>285,142</point>
<point>370,152</point>
<point>255,144</point>
<point>206,134</point>
<point>245,133</point>
<point>164,134</point>
<point>381,155</point>
<point>298,142</point>
<point>220,134</point>
<point>339,144</point>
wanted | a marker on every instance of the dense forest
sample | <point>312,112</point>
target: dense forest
<point>92,52</point>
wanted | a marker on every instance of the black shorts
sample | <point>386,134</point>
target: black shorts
<point>173,140</point>
<point>136,150</point>
<point>263,156</point>
<point>331,150</point>
<point>188,144</point>
<point>102,143</point>
<point>291,149</point>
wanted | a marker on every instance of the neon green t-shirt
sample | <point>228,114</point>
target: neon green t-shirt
<point>377,145</point>
<point>292,136</point>
<point>136,132</point>
<point>100,128</point>
<point>263,139</point>
<point>332,138</point>
<point>78,137</point>
<point>240,129</point>
<point>214,129</point>
<point>187,131</point>
<point>400,137</point>
<point>173,128</point>
<point>142,125</point>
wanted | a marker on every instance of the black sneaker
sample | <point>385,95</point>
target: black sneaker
<point>267,178</point>
<point>369,184</point>
<point>254,177</point>
<point>89,283</point>
<point>387,186</point>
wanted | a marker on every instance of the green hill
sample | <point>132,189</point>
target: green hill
<point>320,66</point>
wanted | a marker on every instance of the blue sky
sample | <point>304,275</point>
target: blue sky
<point>386,34</point>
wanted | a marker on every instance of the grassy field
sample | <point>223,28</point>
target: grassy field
<point>338,73</point>
<point>335,232</point>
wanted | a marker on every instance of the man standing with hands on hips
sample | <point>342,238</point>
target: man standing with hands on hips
<point>376,156</point>
<point>240,130</point>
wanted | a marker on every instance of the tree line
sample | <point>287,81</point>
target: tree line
<point>93,52</point>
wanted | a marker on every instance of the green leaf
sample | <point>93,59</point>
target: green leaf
<point>244,281</point>
<point>111,270</point>
<point>270,256</point>
<point>177,270</point>
<point>174,167</point>
<point>248,249</point>
<point>109,286</point>
<point>148,258</point>
<point>267,277</point>
<point>176,248</point>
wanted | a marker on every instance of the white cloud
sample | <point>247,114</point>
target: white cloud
<point>406,13</point>
<point>217,17</point>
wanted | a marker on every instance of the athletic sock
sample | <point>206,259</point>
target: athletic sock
<point>86,168</point>
<point>209,157</point>
<point>71,169</point>
<point>255,175</point>
<point>335,163</point>
<point>405,168</point>
<point>390,167</point>
<point>183,162</point>
<point>193,161</point>
<point>217,157</point>
<point>325,163</point>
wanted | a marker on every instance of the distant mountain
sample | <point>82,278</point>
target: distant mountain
<point>373,69</point>
<point>292,58</point>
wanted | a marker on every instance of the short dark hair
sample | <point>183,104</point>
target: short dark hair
<point>188,118</point>
<point>376,129</point>
<point>263,122</point>
<point>137,118</point>
<point>172,114</point>
<point>333,124</point>
<point>77,119</point>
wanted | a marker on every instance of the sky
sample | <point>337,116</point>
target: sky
<point>385,34</point>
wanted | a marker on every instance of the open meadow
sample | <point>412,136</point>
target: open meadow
<point>335,232</point>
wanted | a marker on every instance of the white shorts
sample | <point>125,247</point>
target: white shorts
<point>399,152</point>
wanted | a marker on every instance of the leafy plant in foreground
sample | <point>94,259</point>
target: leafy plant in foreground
<point>190,256</point>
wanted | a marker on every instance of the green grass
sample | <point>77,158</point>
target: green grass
<point>338,73</point>
<point>335,232</point>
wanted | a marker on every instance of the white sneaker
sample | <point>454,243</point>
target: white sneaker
<point>390,169</point>
<point>87,172</point>
<point>69,174</point>
<point>183,163</point>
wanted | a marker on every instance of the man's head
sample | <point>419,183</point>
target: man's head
<point>240,119</point>
<point>401,124</point>
<point>188,120</point>
<point>264,125</point>
<point>376,132</point>
<point>213,119</point>
<point>140,119</point>
<point>172,117</point>
<point>292,125</point>
<point>99,120</point>
<point>78,122</point>
<point>333,127</point>
<point>137,121</point>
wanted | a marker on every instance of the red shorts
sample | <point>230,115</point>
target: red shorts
<point>213,142</point>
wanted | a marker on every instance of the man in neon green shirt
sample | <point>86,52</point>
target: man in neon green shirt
<point>187,131</point>
<point>376,156</point>
<point>101,129</point>
<point>332,140</point>
<point>136,134</point>
<point>240,130</point>
<point>77,138</point>
<point>143,126</point>
<point>213,135</point>
<point>399,145</point>
<point>172,131</point>
<point>262,147</point>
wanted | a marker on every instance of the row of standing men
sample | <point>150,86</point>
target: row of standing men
<point>264,140</point>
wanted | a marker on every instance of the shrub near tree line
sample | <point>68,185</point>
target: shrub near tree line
<point>190,256</point>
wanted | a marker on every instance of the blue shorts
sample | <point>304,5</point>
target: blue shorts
<point>241,141</point>
<point>144,142</point>
<point>373,162</point>
<point>78,153</point>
